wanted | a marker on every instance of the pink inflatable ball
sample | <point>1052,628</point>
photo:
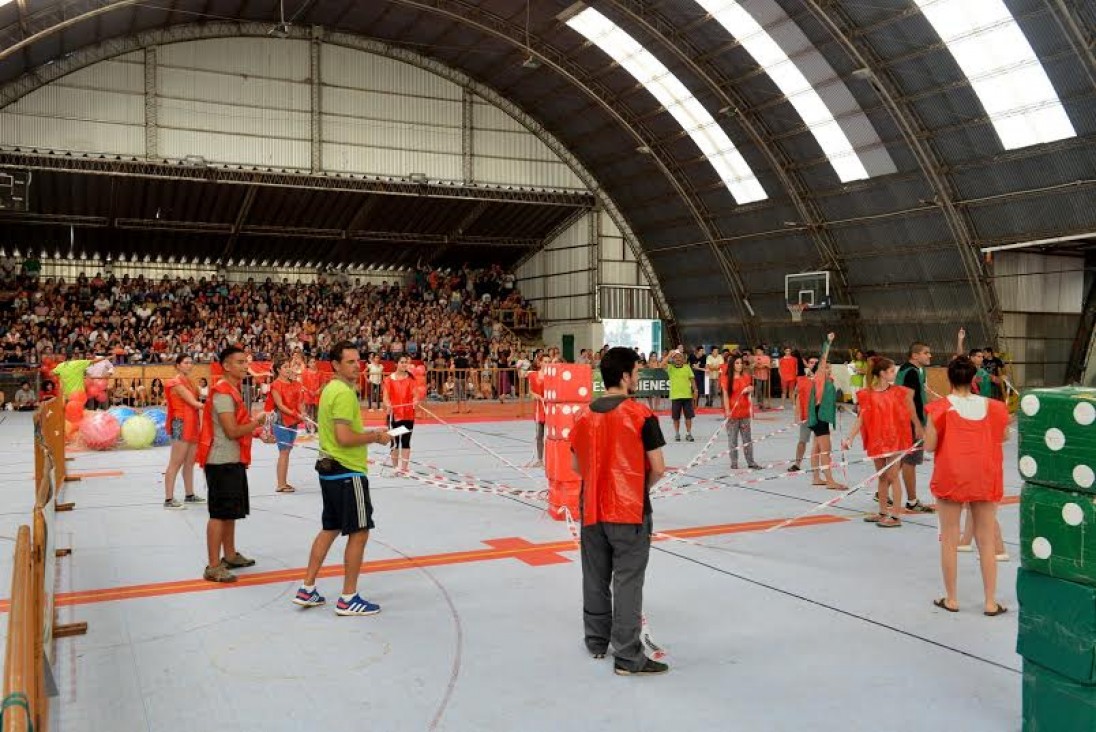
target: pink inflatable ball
<point>100,431</point>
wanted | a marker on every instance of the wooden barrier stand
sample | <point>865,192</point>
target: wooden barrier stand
<point>22,703</point>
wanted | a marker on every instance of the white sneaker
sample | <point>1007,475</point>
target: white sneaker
<point>964,548</point>
<point>1003,557</point>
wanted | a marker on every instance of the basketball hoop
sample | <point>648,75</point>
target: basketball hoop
<point>797,309</point>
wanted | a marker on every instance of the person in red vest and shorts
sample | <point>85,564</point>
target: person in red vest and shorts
<point>967,431</point>
<point>224,452</point>
<point>284,401</point>
<point>183,420</point>
<point>886,413</point>
<point>401,395</point>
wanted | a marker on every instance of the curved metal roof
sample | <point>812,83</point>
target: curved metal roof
<point>902,245</point>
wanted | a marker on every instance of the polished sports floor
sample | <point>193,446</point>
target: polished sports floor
<point>825,624</point>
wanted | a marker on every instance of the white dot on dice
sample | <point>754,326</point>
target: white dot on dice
<point>1084,413</point>
<point>1041,548</point>
<point>583,391</point>
<point>1028,466</point>
<point>566,432</point>
<point>1055,439</point>
<point>566,375</point>
<point>1030,405</point>
<point>1073,514</point>
<point>1083,476</point>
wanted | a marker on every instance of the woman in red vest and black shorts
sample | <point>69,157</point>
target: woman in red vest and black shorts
<point>183,421</point>
<point>401,394</point>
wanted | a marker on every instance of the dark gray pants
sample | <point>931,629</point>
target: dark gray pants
<point>540,441</point>
<point>615,554</point>
<point>736,427</point>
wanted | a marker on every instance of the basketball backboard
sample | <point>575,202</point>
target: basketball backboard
<point>808,288</point>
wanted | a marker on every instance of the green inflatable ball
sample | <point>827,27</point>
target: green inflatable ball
<point>139,432</point>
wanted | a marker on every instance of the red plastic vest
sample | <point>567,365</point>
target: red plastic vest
<point>803,396</point>
<point>177,408</point>
<point>739,402</point>
<point>885,424</point>
<point>969,463</point>
<point>243,416</point>
<point>401,395</point>
<point>612,463</point>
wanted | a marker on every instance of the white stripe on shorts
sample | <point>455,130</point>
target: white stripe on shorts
<point>359,497</point>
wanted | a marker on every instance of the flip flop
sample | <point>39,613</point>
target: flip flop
<point>286,489</point>
<point>836,487</point>
<point>1001,610</point>
<point>942,603</point>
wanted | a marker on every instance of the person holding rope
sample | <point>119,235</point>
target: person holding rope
<point>737,390</point>
<point>342,470</point>
<point>802,400</point>
<point>617,449</point>
<point>885,410</point>
<point>912,376</point>
<point>184,422</point>
<point>401,396</point>
<point>536,388</point>
<point>821,416</point>
<point>284,400</point>
<point>966,432</point>
<point>682,394</point>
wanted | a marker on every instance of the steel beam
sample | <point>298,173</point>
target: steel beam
<point>315,48</point>
<point>467,139</point>
<point>863,56</point>
<point>241,217</point>
<point>152,106</point>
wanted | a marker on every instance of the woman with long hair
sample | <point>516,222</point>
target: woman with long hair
<point>184,422</point>
<point>821,416</point>
<point>886,411</point>
<point>284,400</point>
<point>966,431</point>
<point>738,409</point>
<point>401,396</point>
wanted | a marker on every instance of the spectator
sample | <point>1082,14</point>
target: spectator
<point>25,399</point>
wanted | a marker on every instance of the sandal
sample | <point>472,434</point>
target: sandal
<point>286,489</point>
<point>942,603</point>
<point>888,522</point>
<point>1001,610</point>
<point>874,518</point>
<point>836,486</point>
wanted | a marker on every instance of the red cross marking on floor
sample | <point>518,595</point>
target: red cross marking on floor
<point>533,559</point>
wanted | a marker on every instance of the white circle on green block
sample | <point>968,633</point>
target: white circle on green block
<point>1055,439</point>
<point>1030,405</point>
<point>566,375</point>
<point>1073,514</point>
<point>1041,548</point>
<point>583,391</point>
<point>1028,466</point>
<point>1084,413</point>
<point>1083,476</point>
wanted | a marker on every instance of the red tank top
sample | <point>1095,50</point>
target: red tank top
<point>739,402</point>
<point>969,464</point>
<point>612,463</point>
<point>885,425</point>
<point>401,395</point>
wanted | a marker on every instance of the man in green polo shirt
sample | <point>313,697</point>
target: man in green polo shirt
<point>342,469</point>
<point>682,393</point>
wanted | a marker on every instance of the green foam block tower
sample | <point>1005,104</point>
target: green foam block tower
<point>1053,703</point>
<point>1058,626</point>
<point>1058,533</point>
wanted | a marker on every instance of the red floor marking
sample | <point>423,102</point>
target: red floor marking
<point>512,548</point>
<point>535,559</point>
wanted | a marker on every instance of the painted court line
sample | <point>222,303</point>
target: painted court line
<point>509,548</point>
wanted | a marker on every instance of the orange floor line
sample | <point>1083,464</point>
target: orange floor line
<point>97,474</point>
<point>158,589</point>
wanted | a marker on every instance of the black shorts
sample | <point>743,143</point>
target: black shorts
<point>820,428</point>
<point>677,406</point>
<point>346,505</point>
<point>403,441</point>
<point>226,488</point>
<point>914,457</point>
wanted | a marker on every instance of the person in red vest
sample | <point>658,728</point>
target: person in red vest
<point>536,388</point>
<point>284,400</point>
<point>789,368</point>
<point>737,389</point>
<point>802,398</point>
<point>183,420</point>
<point>966,432</point>
<point>402,394</point>
<point>310,385</point>
<point>224,452</point>
<point>885,411</point>
<point>616,447</point>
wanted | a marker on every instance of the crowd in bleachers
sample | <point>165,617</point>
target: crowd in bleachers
<point>442,317</point>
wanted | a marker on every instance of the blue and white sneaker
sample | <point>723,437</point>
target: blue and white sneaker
<point>306,598</point>
<point>356,605</point>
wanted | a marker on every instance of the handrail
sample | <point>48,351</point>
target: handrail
<point>22,677</point>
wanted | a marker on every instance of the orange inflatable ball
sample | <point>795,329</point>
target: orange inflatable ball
<point>74,411</point>
<point>71,429</point>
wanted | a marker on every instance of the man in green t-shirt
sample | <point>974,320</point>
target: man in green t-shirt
<point>682,393</point>
<point>342,469</point>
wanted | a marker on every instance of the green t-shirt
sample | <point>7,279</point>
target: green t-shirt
<point>71,374</point>
<point>339,401</point>
<point>857,379</point>
<point>681,381</point>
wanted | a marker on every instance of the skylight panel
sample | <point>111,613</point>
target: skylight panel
<point>676,98</point>
<point>1002,68</point>
<point>793,85</point>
